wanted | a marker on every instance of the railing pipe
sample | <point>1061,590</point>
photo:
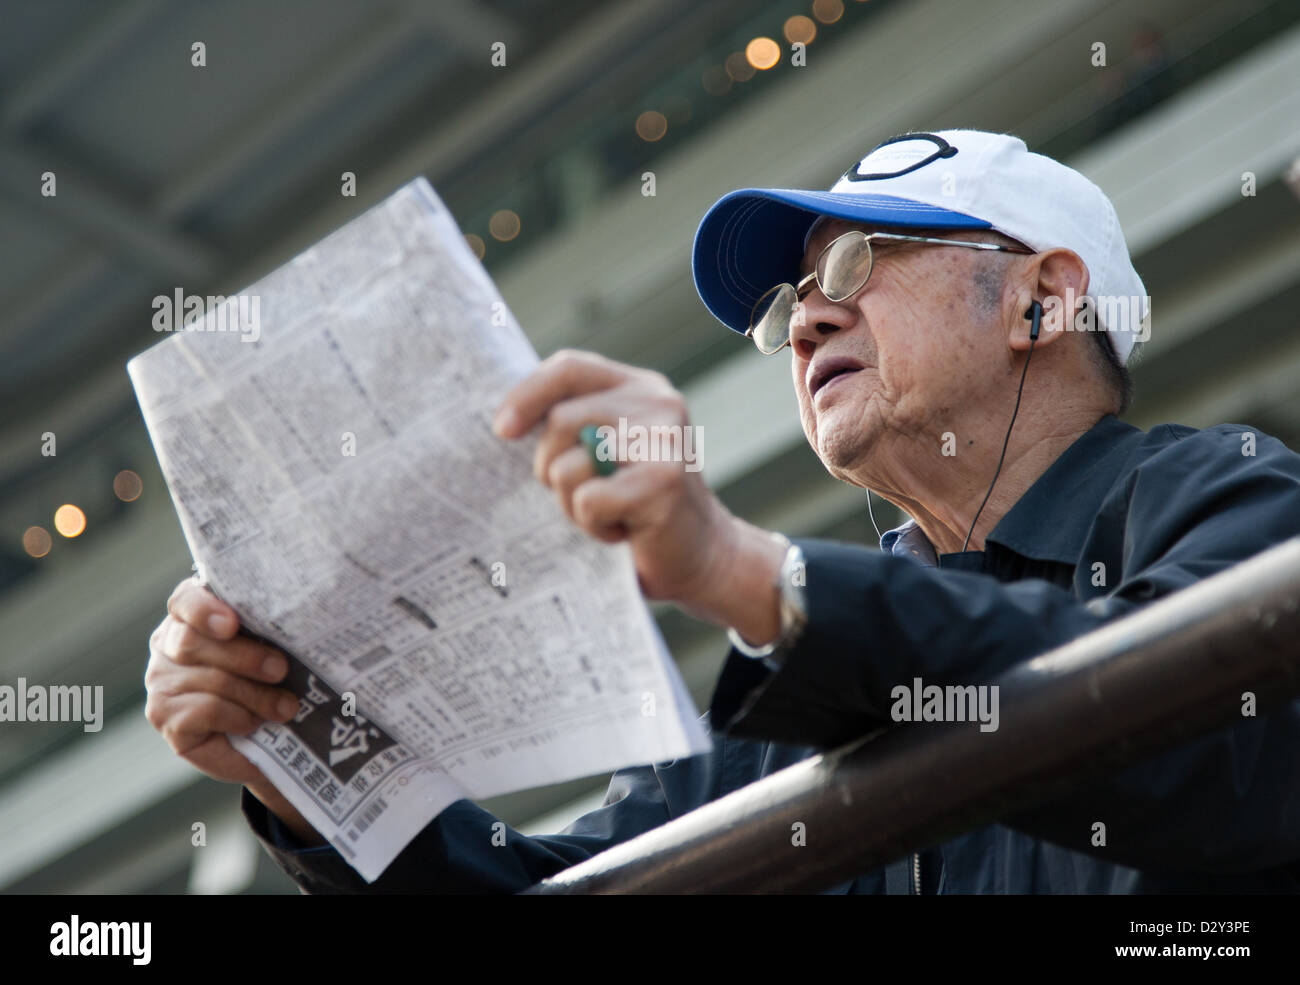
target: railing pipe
<point>1172,671</point>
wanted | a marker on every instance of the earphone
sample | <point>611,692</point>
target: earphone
<point>1034,315</point>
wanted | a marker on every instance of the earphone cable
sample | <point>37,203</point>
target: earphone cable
<point>1005,441</point>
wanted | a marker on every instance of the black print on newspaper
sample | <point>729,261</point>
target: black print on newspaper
<point>344,743</point>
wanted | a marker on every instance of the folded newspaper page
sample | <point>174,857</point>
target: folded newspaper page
<point>326,439</point>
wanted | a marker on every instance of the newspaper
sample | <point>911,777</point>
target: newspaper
<point>326,439</point>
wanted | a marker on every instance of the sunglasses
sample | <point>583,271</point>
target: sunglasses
<point>841,271</point>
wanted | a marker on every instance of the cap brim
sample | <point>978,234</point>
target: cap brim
<point>753,239</point>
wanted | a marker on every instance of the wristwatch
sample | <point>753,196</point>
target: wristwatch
<point>794,608</point>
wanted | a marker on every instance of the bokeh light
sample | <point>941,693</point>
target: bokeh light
<point>738,67</point>
<point>504,225</point>
<point>651,125</point>
<point>37,541</point>
<point>69,520</point>
<point>127,486</point>
<point>828,11</point>
<point>762,53</point>
<point>800,28</point>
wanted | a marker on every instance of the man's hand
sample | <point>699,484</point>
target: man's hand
<point>688,548</point>
<point>205,681</point>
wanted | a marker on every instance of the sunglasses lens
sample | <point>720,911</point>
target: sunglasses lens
<point>770,322</point>
<point>844,266</point>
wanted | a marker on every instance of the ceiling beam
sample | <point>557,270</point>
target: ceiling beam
<point>229,153</point>
<point>470,27</point>
<point>86,203</point>
<point>73,59</point>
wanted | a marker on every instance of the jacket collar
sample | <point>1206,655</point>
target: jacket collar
<point>1051,520</point>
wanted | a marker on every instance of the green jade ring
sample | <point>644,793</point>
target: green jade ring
<point>590,437</point>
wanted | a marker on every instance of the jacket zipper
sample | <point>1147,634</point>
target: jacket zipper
<point>916,872</point>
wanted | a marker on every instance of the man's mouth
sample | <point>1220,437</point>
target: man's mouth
<point>823,372</point>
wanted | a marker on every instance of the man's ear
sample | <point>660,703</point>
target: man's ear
<point>1058,280</point>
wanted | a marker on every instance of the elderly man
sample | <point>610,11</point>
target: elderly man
<point>914,297</point>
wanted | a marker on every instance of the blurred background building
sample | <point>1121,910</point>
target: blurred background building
<point>1186,112</point>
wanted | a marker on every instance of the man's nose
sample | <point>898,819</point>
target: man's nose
<point>816,320</point>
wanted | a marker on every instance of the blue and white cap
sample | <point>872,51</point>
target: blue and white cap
<point>754,238</point>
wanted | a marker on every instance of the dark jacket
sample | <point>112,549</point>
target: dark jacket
<point>1156,510</point>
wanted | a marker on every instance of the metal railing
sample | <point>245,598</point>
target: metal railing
<point>1172,671</point>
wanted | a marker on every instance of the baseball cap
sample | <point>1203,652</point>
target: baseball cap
<point>753,239</point>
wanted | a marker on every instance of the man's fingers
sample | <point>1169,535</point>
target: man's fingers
<point>638,402</point>
<point>564,422</point>
<point>186,720</point>
<point>563,375</point>
<point>567,471</point>
<point>608,507</point>
<point>216,757</point>
<point>264,701</point>
<point>193,604</point>
<point>182,644</point>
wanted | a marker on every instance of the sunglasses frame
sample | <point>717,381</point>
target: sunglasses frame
<point>805,284</point>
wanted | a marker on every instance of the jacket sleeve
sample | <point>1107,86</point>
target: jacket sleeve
<point>467,850</point>
<point>1223,803</point>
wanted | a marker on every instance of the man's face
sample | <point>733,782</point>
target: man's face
<point>920,346</point>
